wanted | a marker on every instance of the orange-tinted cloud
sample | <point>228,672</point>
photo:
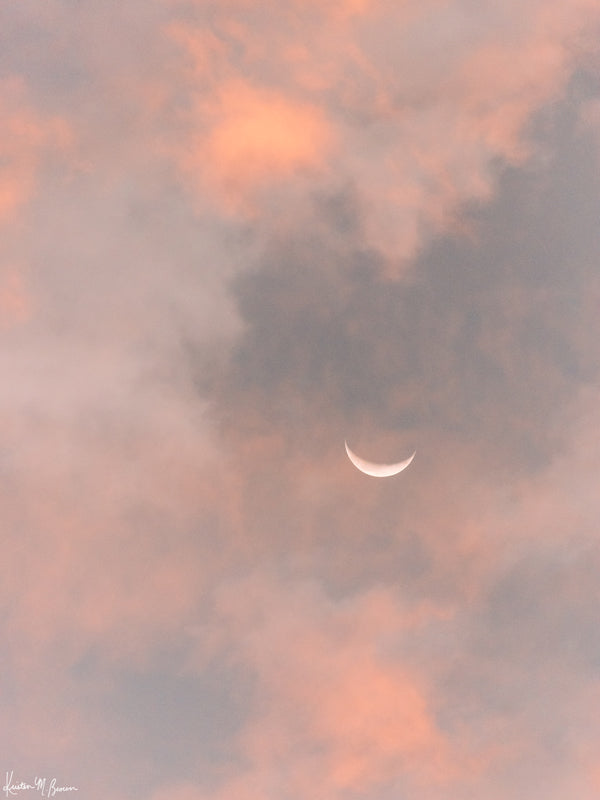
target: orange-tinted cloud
<point>86,541</point>
<point>16,304</point>
<point>452,94</point>
<point>257,138</point>
<point>27,135</point>
<point>335,707</point>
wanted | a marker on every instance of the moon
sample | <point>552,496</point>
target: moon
<point>377,470</point>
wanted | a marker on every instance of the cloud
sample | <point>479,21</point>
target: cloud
<point>332,708</point>
<point>16,304</point>
<point>28,137</point>
<point>412,106</point>
<point>257,138</point>
<point>487,331</point>
<point>203,208</point>
<point>494,520</point>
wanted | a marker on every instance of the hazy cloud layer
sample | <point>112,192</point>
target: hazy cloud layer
<point>234,235</point>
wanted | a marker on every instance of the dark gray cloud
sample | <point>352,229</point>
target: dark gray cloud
<point>488,337</point>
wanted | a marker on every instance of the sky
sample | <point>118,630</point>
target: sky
<point>234,235</point>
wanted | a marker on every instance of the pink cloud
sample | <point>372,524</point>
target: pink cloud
<point>16,302</point>
<point>257,138</point>
<point>335,708</point>
<point>84,493</point>
<point>27,137</point>
<point>123,520</point>
<point>453,93</point>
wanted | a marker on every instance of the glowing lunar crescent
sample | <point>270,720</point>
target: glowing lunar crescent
<point>377,470</point>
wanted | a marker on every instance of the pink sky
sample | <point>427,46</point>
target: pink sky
<point>234,235</point>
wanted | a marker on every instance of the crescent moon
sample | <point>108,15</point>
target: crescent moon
<point>377,470</point>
